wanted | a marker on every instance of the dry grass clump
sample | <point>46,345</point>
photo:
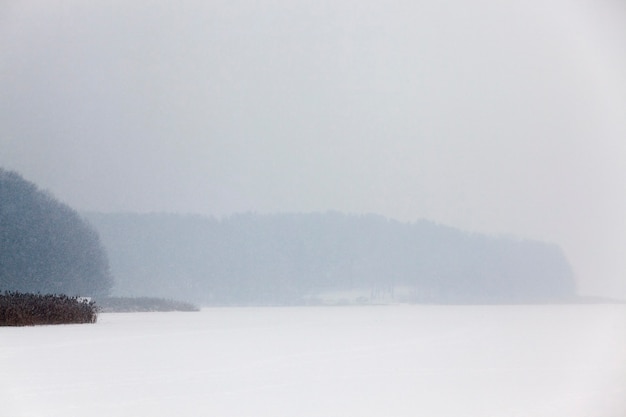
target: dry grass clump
<point>25,309</point>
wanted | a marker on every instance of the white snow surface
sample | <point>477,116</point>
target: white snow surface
<point>558,360</point>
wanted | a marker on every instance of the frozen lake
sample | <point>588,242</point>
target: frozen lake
<point>465,361</point>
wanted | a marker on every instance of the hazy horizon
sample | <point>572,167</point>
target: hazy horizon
<point>494,118</point>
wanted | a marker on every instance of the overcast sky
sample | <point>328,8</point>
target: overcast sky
<point>491,116</point>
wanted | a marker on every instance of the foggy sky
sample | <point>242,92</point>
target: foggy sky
<point>497,117</point>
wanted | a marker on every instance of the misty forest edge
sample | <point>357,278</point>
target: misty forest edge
<point>278,259</point>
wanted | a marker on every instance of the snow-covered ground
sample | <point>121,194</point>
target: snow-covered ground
<point>323,361</point>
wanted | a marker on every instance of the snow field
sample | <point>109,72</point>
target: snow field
<point>530,361</point>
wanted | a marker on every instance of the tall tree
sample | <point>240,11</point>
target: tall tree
<point>46,246</point>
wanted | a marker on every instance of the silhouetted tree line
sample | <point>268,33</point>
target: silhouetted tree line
<point>289,258</point>
<point>20,309</point>
<point>45,246</point>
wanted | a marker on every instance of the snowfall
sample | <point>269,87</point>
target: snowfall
<point>556,360</point>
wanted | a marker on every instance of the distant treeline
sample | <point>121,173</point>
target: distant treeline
<point>23,309</point>
<point>291,258</point>
<point>142,304</point>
